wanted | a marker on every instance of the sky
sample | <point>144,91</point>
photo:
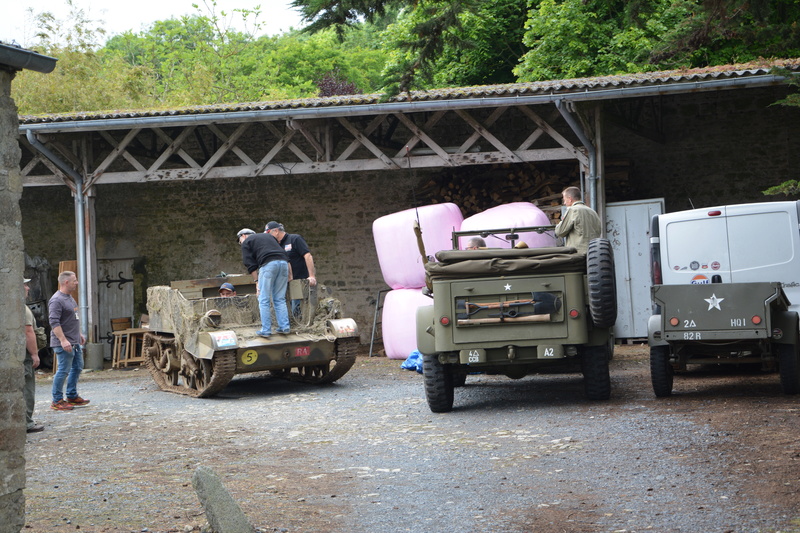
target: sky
<point>118,16</point>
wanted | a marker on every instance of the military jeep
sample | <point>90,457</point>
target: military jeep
<point>516,312</point>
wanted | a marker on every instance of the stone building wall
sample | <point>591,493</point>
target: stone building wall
<point>720,148</point>
<point>12,347</point>
<point>186,230</point>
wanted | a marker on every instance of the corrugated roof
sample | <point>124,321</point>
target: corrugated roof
<point>482,91</point>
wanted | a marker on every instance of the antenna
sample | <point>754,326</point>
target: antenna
<point>691,203</point>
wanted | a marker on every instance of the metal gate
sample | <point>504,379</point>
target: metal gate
<point>628,229</point>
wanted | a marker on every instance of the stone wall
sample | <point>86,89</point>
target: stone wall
<point>722,147</point>
<point>12,347</point>
<point>186,230</point>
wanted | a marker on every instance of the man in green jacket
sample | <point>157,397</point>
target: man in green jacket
<point>581,223</point>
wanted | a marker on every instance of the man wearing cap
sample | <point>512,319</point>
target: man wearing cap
<point>299,257</point>
<point>226,290</point>
<point>268,263</point>
<point>31,362</point>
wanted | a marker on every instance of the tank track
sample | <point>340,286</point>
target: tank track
<point>321,374</point>
<point>223,368</point>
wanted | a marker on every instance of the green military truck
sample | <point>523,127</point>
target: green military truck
<point>516,312</point>
<point>726,290</point>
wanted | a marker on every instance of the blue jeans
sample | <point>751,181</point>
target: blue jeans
<point>273,279</point>
<point>68,362</point>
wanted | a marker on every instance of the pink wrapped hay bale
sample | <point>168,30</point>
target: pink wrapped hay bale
<point>513,215</point>
<point>396,244</point>
<point>399,322</point>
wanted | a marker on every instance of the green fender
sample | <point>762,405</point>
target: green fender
<point>426,340</point>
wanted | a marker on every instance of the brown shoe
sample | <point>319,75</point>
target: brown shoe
<point>61,405</point>
<point>77,401</point>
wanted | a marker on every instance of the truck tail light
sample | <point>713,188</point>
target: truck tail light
<point>445,321</point>
<point>656,277</point>
<point>756,319</point>
<point>674,321</point>
<point>574,313</point>
<point>655,253</point>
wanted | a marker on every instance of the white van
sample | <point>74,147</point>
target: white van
<point>726,289</point>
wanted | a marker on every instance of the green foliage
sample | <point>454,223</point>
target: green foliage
<point>418,39</point>
<point>192,60</point>
<point>84,78</point>
<point>788,188</point>
<point>494,32</point>
<point>82,81</point>
<point>341,14</point>
<point>576,38</point>
<point>717,32</point>
<point>394,46</point>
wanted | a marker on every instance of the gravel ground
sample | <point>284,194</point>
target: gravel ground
<point>366,454</point>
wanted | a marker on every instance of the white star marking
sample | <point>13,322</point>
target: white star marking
<point>714,302</point>
<point>507,286</point>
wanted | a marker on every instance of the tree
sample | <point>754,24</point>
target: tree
<point>84,78</point>
<point>578,38</point>
<point>494,33</point>
<point>458,48</point>
<point>570,38</point>
<point>422,33</point>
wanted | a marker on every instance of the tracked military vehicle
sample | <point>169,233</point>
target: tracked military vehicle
<point>199,341</point>
<point>517,312</point>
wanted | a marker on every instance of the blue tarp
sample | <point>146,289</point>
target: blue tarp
<point>414,362</point>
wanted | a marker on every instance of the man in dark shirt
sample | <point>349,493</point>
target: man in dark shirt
<point>67,342</point>
<point>300,257</point>
<point>267,262</point>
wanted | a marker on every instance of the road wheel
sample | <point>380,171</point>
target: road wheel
<point>661,373</point>
<point>596,376</point>
<point>789,367</point>
<point>438,384</point>
<point>602,283</point>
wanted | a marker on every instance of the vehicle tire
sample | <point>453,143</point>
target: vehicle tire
<point>789,367</point>
<point>612,341</point>
<point>602,283</point>
<point>661,373</point>
<point>438,384</point>
<point>596,376</point>
<point>459,379</point>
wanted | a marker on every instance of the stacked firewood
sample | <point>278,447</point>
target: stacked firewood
<point>475,189</point>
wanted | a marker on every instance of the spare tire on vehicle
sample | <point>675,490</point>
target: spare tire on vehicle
<point>602,283</point>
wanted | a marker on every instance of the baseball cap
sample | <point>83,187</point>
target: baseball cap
<point>274,225</point>
<point>244,231</point>
<point>226,286</point>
